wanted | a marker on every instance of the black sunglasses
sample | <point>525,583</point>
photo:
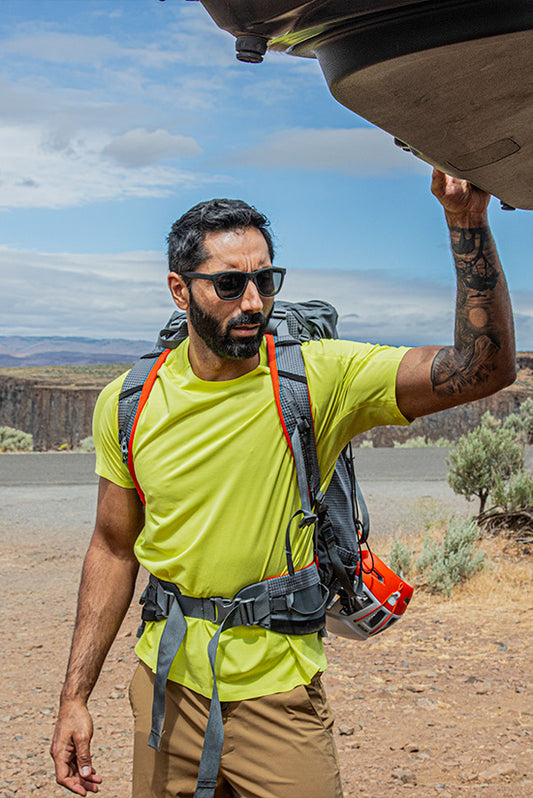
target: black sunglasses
<point>232,284</point>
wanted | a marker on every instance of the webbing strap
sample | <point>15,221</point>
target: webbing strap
<point>214,731</point>
<point>133,396</point>
<point>301,475</point>
<point>363,509</point>
<point>295,406</point>
<point>173,634</point>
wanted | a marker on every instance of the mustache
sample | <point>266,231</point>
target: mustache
<point>248,318</point>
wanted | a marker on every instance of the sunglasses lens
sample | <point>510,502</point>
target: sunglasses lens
<point>230,285</point>
<point>268,282</point>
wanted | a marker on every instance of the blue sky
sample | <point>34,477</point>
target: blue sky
<point>118,115</point>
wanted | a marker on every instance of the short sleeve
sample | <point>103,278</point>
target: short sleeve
<point>105,433</point>
<point>353,388</point>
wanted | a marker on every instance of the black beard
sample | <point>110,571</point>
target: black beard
<point>220,342</point>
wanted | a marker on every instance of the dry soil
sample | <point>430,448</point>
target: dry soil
<point>440,705</point>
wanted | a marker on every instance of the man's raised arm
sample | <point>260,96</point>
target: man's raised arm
<point>106,590</point>
<point>483,358</point>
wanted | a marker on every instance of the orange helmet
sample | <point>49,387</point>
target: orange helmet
<point>383,600</point>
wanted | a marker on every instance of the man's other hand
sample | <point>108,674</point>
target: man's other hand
<point>70,749</point>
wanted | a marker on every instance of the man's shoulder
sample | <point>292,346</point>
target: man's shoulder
<point>108,396</point>
<point>334,347</point>
<point>340,359</point>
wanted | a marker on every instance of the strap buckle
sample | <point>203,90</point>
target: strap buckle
<point>223,607</point>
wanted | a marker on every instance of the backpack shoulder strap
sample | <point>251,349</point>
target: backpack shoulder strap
<point>291,393</point>
<point>139,382</point>
<point>287,368</point>
<point>135,391</point>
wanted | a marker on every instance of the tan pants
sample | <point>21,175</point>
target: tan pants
<point>277,746</point>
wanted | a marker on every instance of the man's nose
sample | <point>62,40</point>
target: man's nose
<point>251,300</point>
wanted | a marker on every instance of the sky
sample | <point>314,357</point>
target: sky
<point>119,115</point>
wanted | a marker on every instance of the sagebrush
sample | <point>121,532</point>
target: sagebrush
<point>86,445</point>
<point>446,559</point>
<point>452,560</point>
<point>401,558</point>
<point>14,440</point>
<point>484,460</point>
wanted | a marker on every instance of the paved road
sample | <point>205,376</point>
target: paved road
<point>55,493</point>
<point>63,468</point>
<point>47,468</point>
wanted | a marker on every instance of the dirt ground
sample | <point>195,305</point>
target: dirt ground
<point>440,705</point>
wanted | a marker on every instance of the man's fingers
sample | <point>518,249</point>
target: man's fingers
<point>79,785</point>
<point>458,197</point>
<point>83,763</point>
<point>438,182</point>
<point>72,757</point>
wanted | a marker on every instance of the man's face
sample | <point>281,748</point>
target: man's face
<point>232,329</point>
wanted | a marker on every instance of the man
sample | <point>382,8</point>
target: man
<point>219,485</point>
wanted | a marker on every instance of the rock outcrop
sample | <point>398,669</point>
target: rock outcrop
<point>55,416</point>
<point>450,424</point>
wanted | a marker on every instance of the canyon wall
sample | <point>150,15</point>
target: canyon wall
<point>55,416</point>
<point>449,424</point>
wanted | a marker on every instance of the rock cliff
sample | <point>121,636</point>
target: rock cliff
<point>450,424</point>
<point>55,416</point>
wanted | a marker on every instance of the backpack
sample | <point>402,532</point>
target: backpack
<point>342,515</point>
<point>349,590</point>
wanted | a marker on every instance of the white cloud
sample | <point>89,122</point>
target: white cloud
<point>140,148</point>
<point>379,306</point>
<point>90,295</point>
<point>126,296</point>
<point>367,151</point>
<point>191,37</point>
<point>39,170</point>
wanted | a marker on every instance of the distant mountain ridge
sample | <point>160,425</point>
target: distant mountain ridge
<point>19,350</point>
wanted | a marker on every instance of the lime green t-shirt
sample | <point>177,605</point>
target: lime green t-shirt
<point>220,487</point>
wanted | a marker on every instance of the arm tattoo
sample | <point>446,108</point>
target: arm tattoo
<point>473,357</point>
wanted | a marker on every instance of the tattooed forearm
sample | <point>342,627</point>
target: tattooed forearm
<point>475,257</point>
<point>467,364</point>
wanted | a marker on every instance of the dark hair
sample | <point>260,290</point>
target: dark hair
<point>186,239</point>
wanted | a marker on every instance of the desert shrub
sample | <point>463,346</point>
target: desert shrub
<point>517,493</point>
<point>86,445</point>
<point>14,440</point>
<point>526,413</point>
<point>420,441</point>
<point>454,559</point>
<point>514,424</point>
<point>484,460</point>
<point>401,557</point>
<point>366,444</point>
<point>521,423</point>
<point>411,443</point>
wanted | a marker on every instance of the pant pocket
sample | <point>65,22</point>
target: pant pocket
<point>319,702</point>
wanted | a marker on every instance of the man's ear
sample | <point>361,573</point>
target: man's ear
<point>179,290</point>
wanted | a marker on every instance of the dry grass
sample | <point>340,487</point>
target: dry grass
<point>93,376</point>
<point>505,579</point>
